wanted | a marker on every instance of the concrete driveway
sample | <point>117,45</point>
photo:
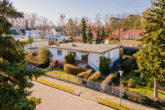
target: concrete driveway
<point>53,99</point>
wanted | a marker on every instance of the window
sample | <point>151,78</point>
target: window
<point>59,52</point>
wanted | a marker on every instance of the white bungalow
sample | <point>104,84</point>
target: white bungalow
<point>86,53</point>
<point>56,35</point>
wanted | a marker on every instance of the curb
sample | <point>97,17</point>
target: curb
<point>59,89</point>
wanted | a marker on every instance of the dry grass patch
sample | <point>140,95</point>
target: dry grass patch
<point>112,104</point>
<point>57,86</point>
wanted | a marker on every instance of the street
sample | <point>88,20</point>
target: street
<point>53,99</point>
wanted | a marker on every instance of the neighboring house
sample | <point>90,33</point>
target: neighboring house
<point>56,35</point>
<point>25,34</point>
<point>85,53</point>
<point>129,39</point>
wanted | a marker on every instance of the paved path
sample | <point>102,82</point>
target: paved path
<point>53,99</point>
<point>93,95</point>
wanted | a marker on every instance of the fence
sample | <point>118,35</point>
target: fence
<point>87,83</point>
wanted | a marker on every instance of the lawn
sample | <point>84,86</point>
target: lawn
<point>64,76</point>
<point>148,92</point>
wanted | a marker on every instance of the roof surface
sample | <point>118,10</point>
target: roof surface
<point>93,48</point>
<point>131,33</point>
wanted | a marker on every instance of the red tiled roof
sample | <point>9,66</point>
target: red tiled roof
<point>116,33</point>
<point>131,33</point>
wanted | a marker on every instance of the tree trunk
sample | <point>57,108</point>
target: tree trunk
<point>155,89</point>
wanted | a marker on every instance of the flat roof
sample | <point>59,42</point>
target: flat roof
<point>83,47</point>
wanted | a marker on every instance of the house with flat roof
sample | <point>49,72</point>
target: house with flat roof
<point>85,53</point>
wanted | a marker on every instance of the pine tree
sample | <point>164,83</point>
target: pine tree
<point>83,31</point>
<point>89,35</point>
<point>151,56</point>
<point>103,35</point>
<point>98,37</point>
<point>14,76</point>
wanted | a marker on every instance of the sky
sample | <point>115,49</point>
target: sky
<point>52,9</point>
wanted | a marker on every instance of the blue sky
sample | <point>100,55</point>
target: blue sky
<point>51,9</point>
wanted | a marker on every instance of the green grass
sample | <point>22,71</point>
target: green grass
<point>57,86</point>
<point>63,75</point>
<point>112,104</point>
<point>148,92</point>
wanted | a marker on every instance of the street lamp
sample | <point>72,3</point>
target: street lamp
<point>121,74</point>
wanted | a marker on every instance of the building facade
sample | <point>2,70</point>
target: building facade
<point>86,53</point>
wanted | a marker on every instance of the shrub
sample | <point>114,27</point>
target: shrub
<point>28,57</point>
<point>125,57</point>
<point>70,58</point>
<point>125,83</point>
<point>88,72</point>
<point>95,76</point>
<point>131,83</point>
<point>104,65</point>
<point>68,68</point>
<point>82,74</point>
<point>116,79</point>
<point>108,79</point>
<point>44,54</point>
<point>150,85</point>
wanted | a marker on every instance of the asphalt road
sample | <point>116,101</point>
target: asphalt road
<point>53,99</point>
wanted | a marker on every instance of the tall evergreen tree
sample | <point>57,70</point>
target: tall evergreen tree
<point>83,31</point>
<point>98,37</point>
<point>103,35</point>
<point>89,36</point>
<point>14,76</point>
<point>151,56</point>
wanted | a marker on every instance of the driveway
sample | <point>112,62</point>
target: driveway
<point>53,99</point>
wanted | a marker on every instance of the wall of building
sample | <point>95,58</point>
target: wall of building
<point>64,52</point>
<point>93,58</point>
<point>130,43</point>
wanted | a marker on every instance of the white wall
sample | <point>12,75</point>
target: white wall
<point>113,55</point>
<point>93,58</point>
<point>64,52</point>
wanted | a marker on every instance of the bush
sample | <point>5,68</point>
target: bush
<point>125,83</point>
<point>108,79</point>
<point>125,57</point>
<point>131,83</point>
<point>116,79</point>
<point>150,85</point>
<point>70,58</point>
<point>95,76</point>
<point>68,68</point>
<point>104,65</point>
<point>82,74</point>
<point>28,57</point>
<point>88,72</point>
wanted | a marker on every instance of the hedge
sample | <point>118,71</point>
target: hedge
<point>88,72</point>
<point>95,76</point>
<point>112,104</point>
<point>82,74</point>
<point>85,74</point>
<point>108,79</point>
<point>68,68</point>
<point>48,83</point>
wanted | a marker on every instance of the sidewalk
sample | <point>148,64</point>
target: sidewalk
<point>95,95</point>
